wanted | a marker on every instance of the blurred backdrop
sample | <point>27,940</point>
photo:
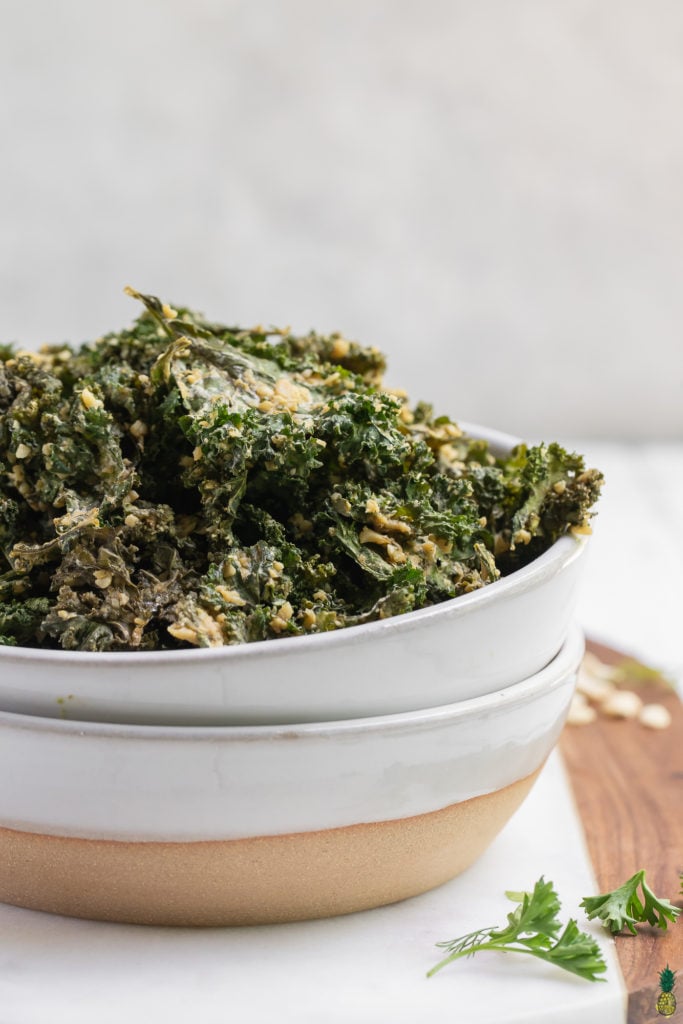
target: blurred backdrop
<point>490,192</point>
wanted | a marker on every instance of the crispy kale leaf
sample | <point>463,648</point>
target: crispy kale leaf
<point>186,483</point>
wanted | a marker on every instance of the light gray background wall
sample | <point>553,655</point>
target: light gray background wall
<point>490,191</point>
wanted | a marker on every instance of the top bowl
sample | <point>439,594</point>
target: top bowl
<point>458,649</point>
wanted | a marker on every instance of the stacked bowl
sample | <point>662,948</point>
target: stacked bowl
<point>287,779</point>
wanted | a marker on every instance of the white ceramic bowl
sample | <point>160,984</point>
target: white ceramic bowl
<point>462,648</point>
<point>235,825</point>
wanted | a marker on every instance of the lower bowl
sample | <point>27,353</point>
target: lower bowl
<point>259,824</point>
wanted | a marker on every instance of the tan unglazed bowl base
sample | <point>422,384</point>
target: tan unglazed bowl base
<point>263,880</point>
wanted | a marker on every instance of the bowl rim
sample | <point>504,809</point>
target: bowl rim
<point>565,663</point>
<point>564,551</point>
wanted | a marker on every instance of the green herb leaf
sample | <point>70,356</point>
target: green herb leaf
<point>532,928</point>
<point>624,907</point>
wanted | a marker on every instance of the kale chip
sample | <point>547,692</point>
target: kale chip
<point>185,483</point>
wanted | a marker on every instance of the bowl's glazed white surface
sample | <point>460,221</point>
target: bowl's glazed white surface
<point>455,650</point>
<point>167,783</point>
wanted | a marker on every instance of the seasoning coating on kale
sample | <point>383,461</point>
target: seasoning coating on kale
<point>184,483</point>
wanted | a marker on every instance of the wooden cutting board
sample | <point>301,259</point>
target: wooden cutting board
<point>628,785</point>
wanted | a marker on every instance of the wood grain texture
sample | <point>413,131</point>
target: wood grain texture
<point>628,785</point>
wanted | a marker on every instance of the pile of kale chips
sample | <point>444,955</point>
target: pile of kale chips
<point>183,483</point>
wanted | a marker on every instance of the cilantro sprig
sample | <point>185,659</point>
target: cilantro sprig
<point>624,907</point>
<point>533,928</point>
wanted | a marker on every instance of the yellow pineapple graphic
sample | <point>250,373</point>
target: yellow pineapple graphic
<point>666,1003</point>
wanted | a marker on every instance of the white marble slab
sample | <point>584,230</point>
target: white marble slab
<point>367,968</point>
